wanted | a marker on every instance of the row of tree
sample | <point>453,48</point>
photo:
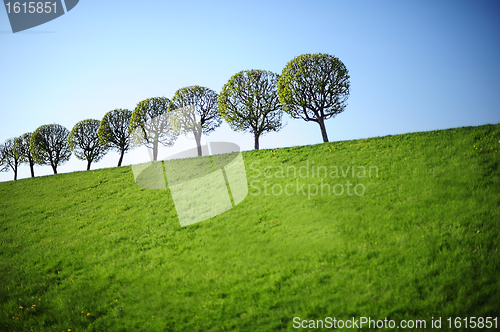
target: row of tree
<point>312,87</point>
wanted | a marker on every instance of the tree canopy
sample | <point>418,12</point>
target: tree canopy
<point>49,145</point>
<point>8,158</point>
<point>249,103</point>
<point>150,124</point>
<point>84,141</point>
<point>114,131</point>
<point>314,87</point>
<point>200,111</point>
<point>22,151</point>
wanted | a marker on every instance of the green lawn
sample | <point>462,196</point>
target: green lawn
<point>92,251</point>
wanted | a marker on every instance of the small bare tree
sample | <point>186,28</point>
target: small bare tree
<point>84,141</point>
<point>49,145</point>
<point>8,158</point>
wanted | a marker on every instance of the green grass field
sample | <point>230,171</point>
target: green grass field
<point>92,251</point>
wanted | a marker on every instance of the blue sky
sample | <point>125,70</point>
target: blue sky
<point>414,65</point>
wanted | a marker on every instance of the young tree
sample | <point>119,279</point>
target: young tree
<point>3,166</point>
<point>22,151</point>
<point>49,145</point>
<point>249,103</point>
<point>150,124</point>
<point>84,141</point>
<point>8,157</point>
<point>314,87</point>
<point>200,111</point>
<point>114,131</point>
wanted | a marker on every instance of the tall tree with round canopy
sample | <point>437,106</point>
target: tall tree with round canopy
<point>84,141</point>
<point>314,87</point>
<point>200,111</point>
<point>49,145</point>
<point>151,124</point>
<point>249,103</point>
<point>114,131</point>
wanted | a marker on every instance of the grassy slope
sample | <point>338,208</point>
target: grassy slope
<point>421,242</point>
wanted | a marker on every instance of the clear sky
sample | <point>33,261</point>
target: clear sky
<point>414,65</point>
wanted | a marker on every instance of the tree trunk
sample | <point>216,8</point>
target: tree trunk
<point>198,143</point>
<point>256,138</point>
<point>15,173</point>
<point>321,123</point>
<point>155,150</point>
<point>88,164</point>
<point>54,168</point>
<point>121,158</point>
<point>31,168</point>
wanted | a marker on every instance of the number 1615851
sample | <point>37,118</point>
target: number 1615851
<point>473,322</point>
<point>31,7</point>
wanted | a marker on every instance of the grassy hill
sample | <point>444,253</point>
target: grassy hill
<point>91,251</point>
